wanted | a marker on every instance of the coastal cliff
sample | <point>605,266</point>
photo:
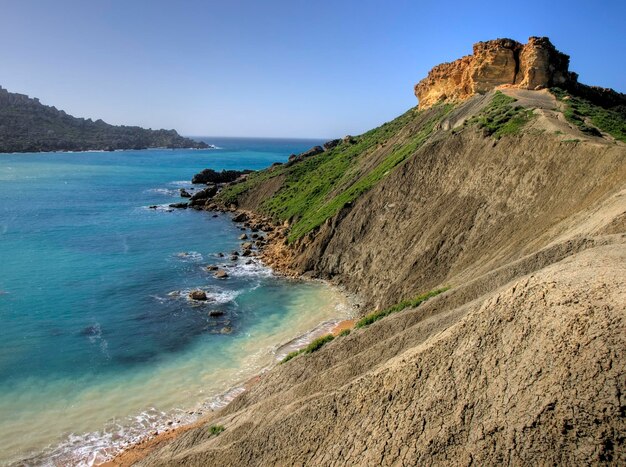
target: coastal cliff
<point>27,125</point>
<point>512,197</point>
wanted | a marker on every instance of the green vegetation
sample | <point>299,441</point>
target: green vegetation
<point>574,140</point>
<point>501,118</point>
<point>343,333</point>
<point>312,347</point>
<point>316,188</point>
<point>411,303</point>
<point>580,111</point>
<point>216,429</point>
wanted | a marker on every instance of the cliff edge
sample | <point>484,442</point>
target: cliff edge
<point>500,62</point>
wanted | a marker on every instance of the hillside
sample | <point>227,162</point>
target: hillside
<point>26,125</point>
<point>514,199</point>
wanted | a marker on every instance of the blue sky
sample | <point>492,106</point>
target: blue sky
<point>275,68</point>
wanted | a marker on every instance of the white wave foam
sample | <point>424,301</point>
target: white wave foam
<point>254,269</point>
<point>164,191</point>
<point>189,256</point>
<point>181,183</point>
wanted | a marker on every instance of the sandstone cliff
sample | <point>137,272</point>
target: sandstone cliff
<point>508,201</point>
<point>534,65</point>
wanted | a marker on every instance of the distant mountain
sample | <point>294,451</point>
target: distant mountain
<point>26,125</point>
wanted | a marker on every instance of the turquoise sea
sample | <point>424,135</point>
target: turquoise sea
<point>99,345</point>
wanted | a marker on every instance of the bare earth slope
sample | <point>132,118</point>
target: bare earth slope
<point>530,373</point>
<point>521,362</point>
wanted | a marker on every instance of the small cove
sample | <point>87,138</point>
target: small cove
<point>100,343</point>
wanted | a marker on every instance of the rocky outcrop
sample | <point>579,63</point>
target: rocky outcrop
<point>26,125</point>
<point>212,176</point>
<point>534,65</point>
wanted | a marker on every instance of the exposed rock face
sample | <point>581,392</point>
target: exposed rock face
<point>534,65</point>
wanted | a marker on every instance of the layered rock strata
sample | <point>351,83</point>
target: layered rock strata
<point>534,65</point>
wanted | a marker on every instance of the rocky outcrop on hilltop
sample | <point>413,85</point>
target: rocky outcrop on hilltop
<point>534,65</point>
<point>26,125</point>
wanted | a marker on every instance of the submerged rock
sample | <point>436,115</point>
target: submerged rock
<point>215,313</point>
<point>179,205</point>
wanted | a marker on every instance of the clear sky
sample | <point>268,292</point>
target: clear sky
<point>290,68</point>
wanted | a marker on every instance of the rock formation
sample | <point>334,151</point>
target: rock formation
<point>534,65</point>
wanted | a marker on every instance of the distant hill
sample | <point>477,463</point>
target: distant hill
<point>26,125</point>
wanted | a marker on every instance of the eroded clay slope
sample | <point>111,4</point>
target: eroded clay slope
<point>530,373</point>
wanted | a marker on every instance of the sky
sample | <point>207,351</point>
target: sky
<point>289,68</point>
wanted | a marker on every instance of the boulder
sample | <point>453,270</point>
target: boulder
<point>243,237</point>
<point>246,246</point>
<point>214,313</point>
<point>220,274</point>
<point>179,205</point>
<point>212,267</point>
<point>184,193</point>
<point>241,217</point>
<point>199,295</point>
<point>208,192</point>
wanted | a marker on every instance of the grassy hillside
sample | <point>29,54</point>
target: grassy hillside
<point>318,187</point>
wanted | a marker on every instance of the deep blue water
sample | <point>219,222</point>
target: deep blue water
<point>93,288</point>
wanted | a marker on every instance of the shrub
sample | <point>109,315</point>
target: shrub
<point>500,118</point>
<point>216,429</point>
<point>411,303</point>
<point>345,332</point>
<point>312,347</point>
<point>579,111</point>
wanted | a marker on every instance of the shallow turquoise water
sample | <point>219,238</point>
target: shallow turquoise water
<point>98,342</point>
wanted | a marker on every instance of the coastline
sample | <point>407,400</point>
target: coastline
<point>273,254</point>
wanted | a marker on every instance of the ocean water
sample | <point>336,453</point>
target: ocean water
<point>99,344</point>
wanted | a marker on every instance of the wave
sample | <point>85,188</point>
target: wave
<point>253,269</point>
<point>164,191</point>
<point>189,256</point>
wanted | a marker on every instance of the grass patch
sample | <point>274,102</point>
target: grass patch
<point>343,333</point>
<point>316,188</point>
<point>312,347</point>
<point>216,429</point>
<point>578,111</point>
<point>501,118</point>
<point>411,303</point>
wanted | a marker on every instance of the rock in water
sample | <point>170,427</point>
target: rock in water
<point>220,274</point>
<point>199,295</point>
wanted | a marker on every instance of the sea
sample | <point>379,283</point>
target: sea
<point>100,346</point>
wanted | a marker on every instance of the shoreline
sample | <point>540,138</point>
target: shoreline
<point>143,448</point>
<point>274,255</point>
